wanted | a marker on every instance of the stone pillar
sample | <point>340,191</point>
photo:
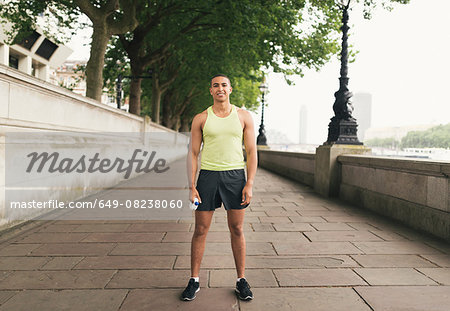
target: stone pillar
<point>25,64</point>
<point>44,72</point>
<point>4,54</point>
<point>327,174</point>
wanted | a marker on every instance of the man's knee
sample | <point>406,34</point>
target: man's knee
<point>236,229</point>
<point>201,230</point>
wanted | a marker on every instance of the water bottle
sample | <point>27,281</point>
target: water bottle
<point>194,204</point>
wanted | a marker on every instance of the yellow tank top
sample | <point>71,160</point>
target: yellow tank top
<point>222,142</point>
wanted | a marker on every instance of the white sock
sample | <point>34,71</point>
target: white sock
<point>238,279</point>
<point>195,278</point>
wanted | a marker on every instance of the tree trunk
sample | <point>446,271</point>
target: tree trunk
<point>156,101</point>
<point>166,109</point>
<point>135,91</point>
<point>176,123</point>
<point>185,122</point>
<point>94,67</point>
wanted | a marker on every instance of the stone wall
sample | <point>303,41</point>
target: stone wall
<point>30,105</point>
<point>415,192</point>
<point>294,165</point>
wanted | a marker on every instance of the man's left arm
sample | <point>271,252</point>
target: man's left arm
<point>252,157</point>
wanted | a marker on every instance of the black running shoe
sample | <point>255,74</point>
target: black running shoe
<point>243,290</point>
<point>191,289</point>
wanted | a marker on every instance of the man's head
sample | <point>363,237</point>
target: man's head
<point>220,88</point>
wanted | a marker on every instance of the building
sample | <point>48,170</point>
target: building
<point>35,54</point>
<point>303,124</point>
<point>362,104</point>
<point>70,75</point>
<point>40,57</point>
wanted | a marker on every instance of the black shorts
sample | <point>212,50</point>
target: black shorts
<point>217,187</point>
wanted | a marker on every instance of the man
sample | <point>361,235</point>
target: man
<point>221,128</point>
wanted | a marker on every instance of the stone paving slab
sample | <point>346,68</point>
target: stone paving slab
<point>396,247</point>
<point>152,278</point>
<point>223,299</point>
<point>57,279</point>
<point>441,260</point>
<point>59,227</point>
<point>227,278</point>
<point>208,262</point>
<point>22,263</point>
<point>126,262</point>
<point>392,261</point>
<point>334,226</point>
<point>158,227</point>
<point>315,248</point>
<point>73,249</point>
<point>293,227</point>
<point>406,298</point>
<point>74,300</point>
<point>440,275</point>
<point>394,276</point>
<point>317,277</point>
<point>305,299</point>
<point>352,235</point>
<point>61,263</point>
<point>101,227</point>
<point>332,261</point>
<point>123,237</point>
<point>18,249</point>
<point>50,237</point>
<point>5,295</point>
<point>262,227</point>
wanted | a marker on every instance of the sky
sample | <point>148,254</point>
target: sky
<point>403,61</point>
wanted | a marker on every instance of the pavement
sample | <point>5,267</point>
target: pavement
<point>304,252</point>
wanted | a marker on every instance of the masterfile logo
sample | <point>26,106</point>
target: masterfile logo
<point>53,163</point>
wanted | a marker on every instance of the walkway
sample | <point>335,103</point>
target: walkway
<point>303,253</point>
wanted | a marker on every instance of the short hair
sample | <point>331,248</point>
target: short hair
<point>220,75</point>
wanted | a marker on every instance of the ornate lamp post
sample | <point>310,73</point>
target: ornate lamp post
<point>343,127</point>
<point>261,140</point>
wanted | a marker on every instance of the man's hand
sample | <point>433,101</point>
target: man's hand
<point>194,194</point>
<point>247,194</point>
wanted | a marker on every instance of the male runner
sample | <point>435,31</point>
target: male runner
<point>221,128</point>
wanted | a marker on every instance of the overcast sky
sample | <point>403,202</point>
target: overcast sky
<point>403,62</point>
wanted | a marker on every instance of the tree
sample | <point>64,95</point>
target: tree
<point>108,17</point>
<point>435,137</point>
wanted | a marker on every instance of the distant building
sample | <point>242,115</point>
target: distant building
<point>34,55</point>
<point>303,125</point>
<point>362,103</point>
<point>70,76</point>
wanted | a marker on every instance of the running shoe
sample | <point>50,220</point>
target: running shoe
<point>243,290</point>
<point>191,289</point>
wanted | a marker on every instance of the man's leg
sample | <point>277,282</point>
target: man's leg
<point>202,223</point>
<point>236,226</point>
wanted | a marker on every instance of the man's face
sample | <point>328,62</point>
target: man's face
<point>220,89</point>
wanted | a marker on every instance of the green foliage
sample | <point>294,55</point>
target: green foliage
<point>436,137</point>
<point>390,142</point>
<point>57,19</point>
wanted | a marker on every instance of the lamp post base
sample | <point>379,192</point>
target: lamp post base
<point>342,132</point>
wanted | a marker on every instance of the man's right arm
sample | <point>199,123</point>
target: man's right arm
<point>194,151</point>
